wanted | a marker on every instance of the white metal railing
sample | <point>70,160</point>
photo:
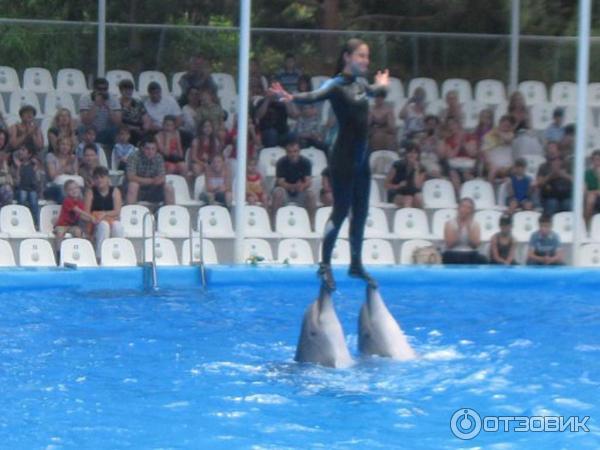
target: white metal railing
<point>152,264</point>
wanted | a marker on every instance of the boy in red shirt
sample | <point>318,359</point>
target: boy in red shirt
<point>72,212</point>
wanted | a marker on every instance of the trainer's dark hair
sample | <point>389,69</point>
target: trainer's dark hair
<point>350,47</point>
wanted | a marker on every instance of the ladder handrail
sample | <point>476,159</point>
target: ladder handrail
<point>200,238</point>
<point>153,222</point>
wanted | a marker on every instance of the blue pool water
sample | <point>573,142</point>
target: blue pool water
<point>214,370</point>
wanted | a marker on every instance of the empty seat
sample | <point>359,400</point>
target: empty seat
<point>7,258</point>
<point>36,253</point>
<point>173,221</point>
<point>524,223</point>
<point>117,252</point>
<point>152,76</point>
<point>229,103</point>
<point>115,76</point>
<point>293,221</point>
<point>175,86</point>
<point>589,255</point>
<point>257,248</point>
<point>209,253</point>
<point>472,112</point>
<point>199,186</point>
<point>3,110</point>
<point>22,98</point>
<point>62,179</point>
<point>595,228</point>
<point>131,219</point>
<point>489,223</point>
<point>216,221</point>
<point>224,82</point>
<point>16,221</point>
<point>164,251</point>
<point>490,92</point>
<point>78,252</point>
<point>37,79</point>
<point>381,161</point>
<point>72,81</point>
<point>321,217</point>
<point>481,192</point>
<point>48,217</point>
<point>411,223</point>
<point>377,251</point>
<point>267,160</point>
<point>9,79</point>
<point>318,159</point>
<point>340,254</point>
<point>429,86</point>
<point>533,91</point>
<point>377,224</point>
<point>57,100</point>
<point>435,107</point>
<point>182,191</point>
<point>407,251</point>
<point>563,224</point>
<point>318,80</point>
<point>593,94</point>
<point>564,93</point>
<point>541,115</point>
<point>294,251</point>
<point>461,86</point>
<point>438,193</point>
<point>257,222</point>
<point>438,222</point>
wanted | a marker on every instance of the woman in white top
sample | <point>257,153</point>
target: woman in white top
<point>462,236</point>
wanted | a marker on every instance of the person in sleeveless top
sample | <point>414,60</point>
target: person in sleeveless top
<point>218,183</point>
<point>462,236</point>
<point>169,145</point>
<point>103,201</point>
<point>503,246</point>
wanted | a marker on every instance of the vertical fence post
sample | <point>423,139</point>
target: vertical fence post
<point>101,66</point>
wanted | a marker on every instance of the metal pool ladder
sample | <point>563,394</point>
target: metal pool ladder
<point>149,266</point>
<point>201,261</point>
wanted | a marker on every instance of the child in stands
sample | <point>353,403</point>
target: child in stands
<point>72,213</point>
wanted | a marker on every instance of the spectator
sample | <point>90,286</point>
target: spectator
<point>123,149</point>
<point>544,245</point>
<point>288,76</point>
<point>26,175</point>
<point>308,127</point>
<point>88,164</point>
<point>146,176</point>
<point>271,116</point>
<point>134,115</point>
<point>168,141</point>
<point>462,236</point>
<point>190,112</point>
<point>592,185</point>
<point>326,194</point>
<point>503,247</point>
<point>230,145</point>
<point>255,189</point>
<point>218,183</point>
<point>405,180</point>
<point>103,203</point>
<point>62,162</point>
<point>484,126</point>
<point>72,214</point>
<point>210,109</point>
<point>88,138</point>
<point>413,113</point>
<point>567,146</point>
<point>204,148</point>
<point>293,180</point>
<point>458,153</point>
<point>556,188</point>
<point>158,106</point>
<point>102,111</point>
<point>453,108</point>
<point>27,132</point>
<point>497,149</point>
<point>431,147</point>
<point>555,132</point>
<point>517,109</point>
<point>520,188</point>
<point>63,126</point>
<point>6,179</point>
<point>198,76</point>
<point>258,82</point>
<point>382,124</point>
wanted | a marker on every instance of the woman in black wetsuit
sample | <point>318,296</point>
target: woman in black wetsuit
<point>349,160</point>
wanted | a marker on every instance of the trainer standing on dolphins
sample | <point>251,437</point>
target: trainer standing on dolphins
<point>349,160</point>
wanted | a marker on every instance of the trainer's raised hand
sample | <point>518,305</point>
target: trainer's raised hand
<point>382,78</point>
<point>277,90</point>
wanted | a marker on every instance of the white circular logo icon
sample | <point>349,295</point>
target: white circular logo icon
<point>465,423</point>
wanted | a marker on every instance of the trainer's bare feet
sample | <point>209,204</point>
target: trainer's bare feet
<point>326,276</point>
<point>358,271</point>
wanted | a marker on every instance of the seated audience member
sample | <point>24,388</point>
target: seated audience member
<point>62,162</point>
<point>520,188</point>
<point>27,132</point>
<point>210,109</point>
<point>72,214</point>
<point>103,203</point>
<point>555,188</point>
<point>413,114</point>
<point>556,131</point>
<point>63,126</point>
<point>123,149</point>
<point>88,138</point>
<point>592,186</point>
<point>252,145</point>
<point>190,118</point>
<point>382,124</point>
<point>459,153</point>
<point>326,194</point>
<point>146,180</point>
<point>289,74</point>
<point>497,149</point>
<point>462,236</point>
<point>308,127</point>
<point>255,189</point>
<point>405,180</point>
<point>204,148</point>
<point>293,180</point>
<point>517,110</point>
<point>133,112</point>
<point>503,246</point>
<point>168,141</point>
<point>567,145</point>
<point>158,106</point>
<point>258,82</point>
<point>544,245</point>
<point>484,126</point>
<point>271,116</point>
<point>431,147</point>
<point>218,183</point>
<point>6,179</point>
<point>198,76</point>
<point>88,164</point>
<point>27,178</point>
<point>453,108</point>
<point>102,111</point>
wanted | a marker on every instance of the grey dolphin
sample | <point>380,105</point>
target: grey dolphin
<point>322,338</point>
<point>378,331</point>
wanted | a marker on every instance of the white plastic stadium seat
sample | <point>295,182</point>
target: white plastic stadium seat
<point>375,198</point>
<point>117,252</point>
<point>321,217</point>
<point>7,258</point>
<point>593,141</point>
<point>490,92</point>
<point>294,251</point>
<point>461,86</point>
<point>57,100</point>
<point>38,79</point>
<point>533,164</point>
<point>563,93</point>
<point>3,110</point>
<point>62,179</point>
<point>438,222</point>
<point>173,221</point>
<point>318,80</point>
<point>199,186</point>
<point>257,248</point>
<point>589,255</point>
<point>563,224</point>
<point>541,115</point>
<point>472,111</point>
<point>36,253</point>
<point>150,76</point>
<point>72,81</point>
<point>225,82</point>
<point>411,223</point>
<point>229,103</point>
<point>9,79</point>
<point>16,221</point>
<point>182,192</point>
<point>593,94</point>
<point>216,221</point>
<point>175,87</point>
<point>267,160</point>
<point>533,91</point>
<point>22,98</point>
<point>48,217</point>
<point>489,222</point>
<point>381,161</point>
<point>317,158</point>
<point>408,248</point>
<point>481,192</point>
<point>78,252</point>
<point>524,223</point>
<point>209,253</point>
<point>438,193</point>
<point>377,251</point>
<point>293,221</point>
<point>595,228</point>
<point>165,252</point>
<point>131,219</point>
<point>341,252</point>
<point>257,222</point>
<point>395,91</point>
<point>377,224</point>
<point>115,76</point>
<point>429,85</point>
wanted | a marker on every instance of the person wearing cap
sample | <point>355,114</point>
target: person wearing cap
<point>503,246</point>
<point>134,115</point>
<point>158,106</point>
<point>556,131</point>
<point>27,132</point>
<point>102,111</point>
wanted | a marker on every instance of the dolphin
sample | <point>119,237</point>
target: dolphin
<point>322,338</point>
<point>378,332</point>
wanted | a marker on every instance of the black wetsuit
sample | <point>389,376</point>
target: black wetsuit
<point>349,159</point>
